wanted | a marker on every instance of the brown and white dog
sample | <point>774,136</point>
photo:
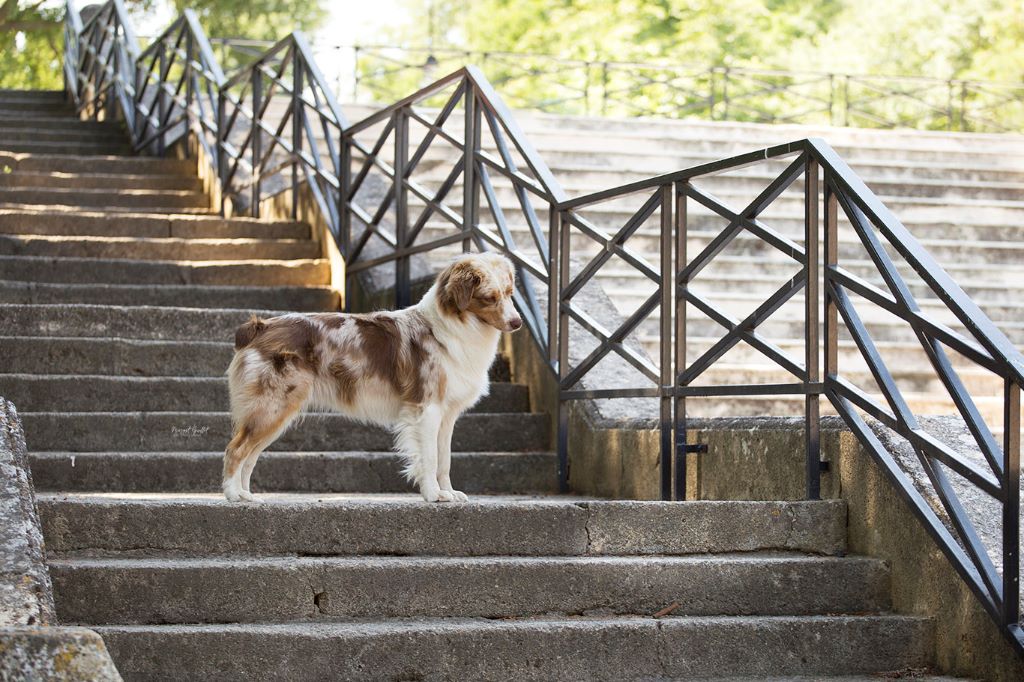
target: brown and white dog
<point>415,370</point>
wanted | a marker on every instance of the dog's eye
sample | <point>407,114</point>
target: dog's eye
<point>488,300</point>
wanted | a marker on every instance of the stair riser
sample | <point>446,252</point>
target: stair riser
<point>284,590</point>
<point>102,199</point>
<point>95,224</point>
<point>114,394</point>
<point>656,649</point>
<point>126,323</point>
<point>870,168</point>
<point>205,431</point>
<point>138,358</point>
<point>304,300</point>
<point>69,135</point>
<point>28,109</point>
<point>85,270</point>
<point>102,181</point>
<point>410,527</point>
<point>114,356</point>
<point>532,473</point>
<point>60,123</point>
<point>886,180</point>
<point>64,161</point>
<point>434,169</point>
<point>646,243</point>
<point>992,299</point>
<point>75,148</point>
<point>149,250</point>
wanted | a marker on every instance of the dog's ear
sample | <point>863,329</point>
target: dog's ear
<point>458,283</point>
<point>463,282</point>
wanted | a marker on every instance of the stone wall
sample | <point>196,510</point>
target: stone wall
<point>32,647</point>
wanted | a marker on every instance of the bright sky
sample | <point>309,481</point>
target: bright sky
<point>350,22</point>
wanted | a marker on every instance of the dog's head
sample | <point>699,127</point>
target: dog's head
<point>481,285</point>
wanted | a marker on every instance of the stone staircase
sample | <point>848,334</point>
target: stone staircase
<point>119,294</point>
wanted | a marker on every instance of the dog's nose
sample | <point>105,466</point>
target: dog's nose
<point>515,323</point>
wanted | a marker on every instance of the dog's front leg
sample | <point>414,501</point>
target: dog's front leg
<point>429,426</point>
<point>444,457</point>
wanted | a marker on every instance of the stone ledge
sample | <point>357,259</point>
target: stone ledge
<point>31,648</point>
<point>55,653</point>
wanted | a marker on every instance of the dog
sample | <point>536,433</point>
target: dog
<point>415,370</point>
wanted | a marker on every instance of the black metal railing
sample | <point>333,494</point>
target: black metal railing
<point>388,188</point>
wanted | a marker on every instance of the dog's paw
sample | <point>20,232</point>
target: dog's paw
<point>432,494</point>
<point>248,496</point>
<point>232,492</point>
<point>459,496</point>
<point>445,496</point>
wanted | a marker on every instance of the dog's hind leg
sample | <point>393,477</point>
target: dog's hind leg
<point>253,433</point>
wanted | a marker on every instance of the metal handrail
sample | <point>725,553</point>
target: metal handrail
<point>165,100</point>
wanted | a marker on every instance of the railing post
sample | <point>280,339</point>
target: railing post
<point>403,297</point>
<point>189,87</point>
<point>344,214</point>
<point>831,260</point>
<point>298,112</point>
<point>812,425</point>
<point>554,282</point>
<point>668,379</point>
<point>1011,503</point>
<point>257,140</point>
<point>563,355</point>
<point>222,170</point>
<point>470,182</point>
<point>680,332</point>
<point>161,101</point>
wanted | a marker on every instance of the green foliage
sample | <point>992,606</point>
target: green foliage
<point>255,19</point>
<point>31,32</point>
<point>30,45</point>
<point>944,39</point>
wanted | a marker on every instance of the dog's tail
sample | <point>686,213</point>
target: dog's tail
<point>248,332</point>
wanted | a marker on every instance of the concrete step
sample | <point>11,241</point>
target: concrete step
<point>924,176</point>
<point>113,211</point>
<point>15,95</point>
<point>80,148</point>
<point>28,108</point>
<point>278,298</point>
<point>138,322</point>
<point>59,123</point>
<point>104,197</point>
<point>531,473</point>
<point>542,649</point>
<point>99,224</point>
<point>116,356</point>
<point>106,181</point>
<point>580,178</point>
<point>164,524</point>
<point>157,248</point>
<point>204,431</point>
<point>300,272</point>
<point>66,162</point>
<point>165,591</point>
<point>87,393</point>
<point>71,135</point>
<point>130,357</point>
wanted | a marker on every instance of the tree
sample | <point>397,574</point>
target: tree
<point>30,50</point>
<point>31,42</point>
